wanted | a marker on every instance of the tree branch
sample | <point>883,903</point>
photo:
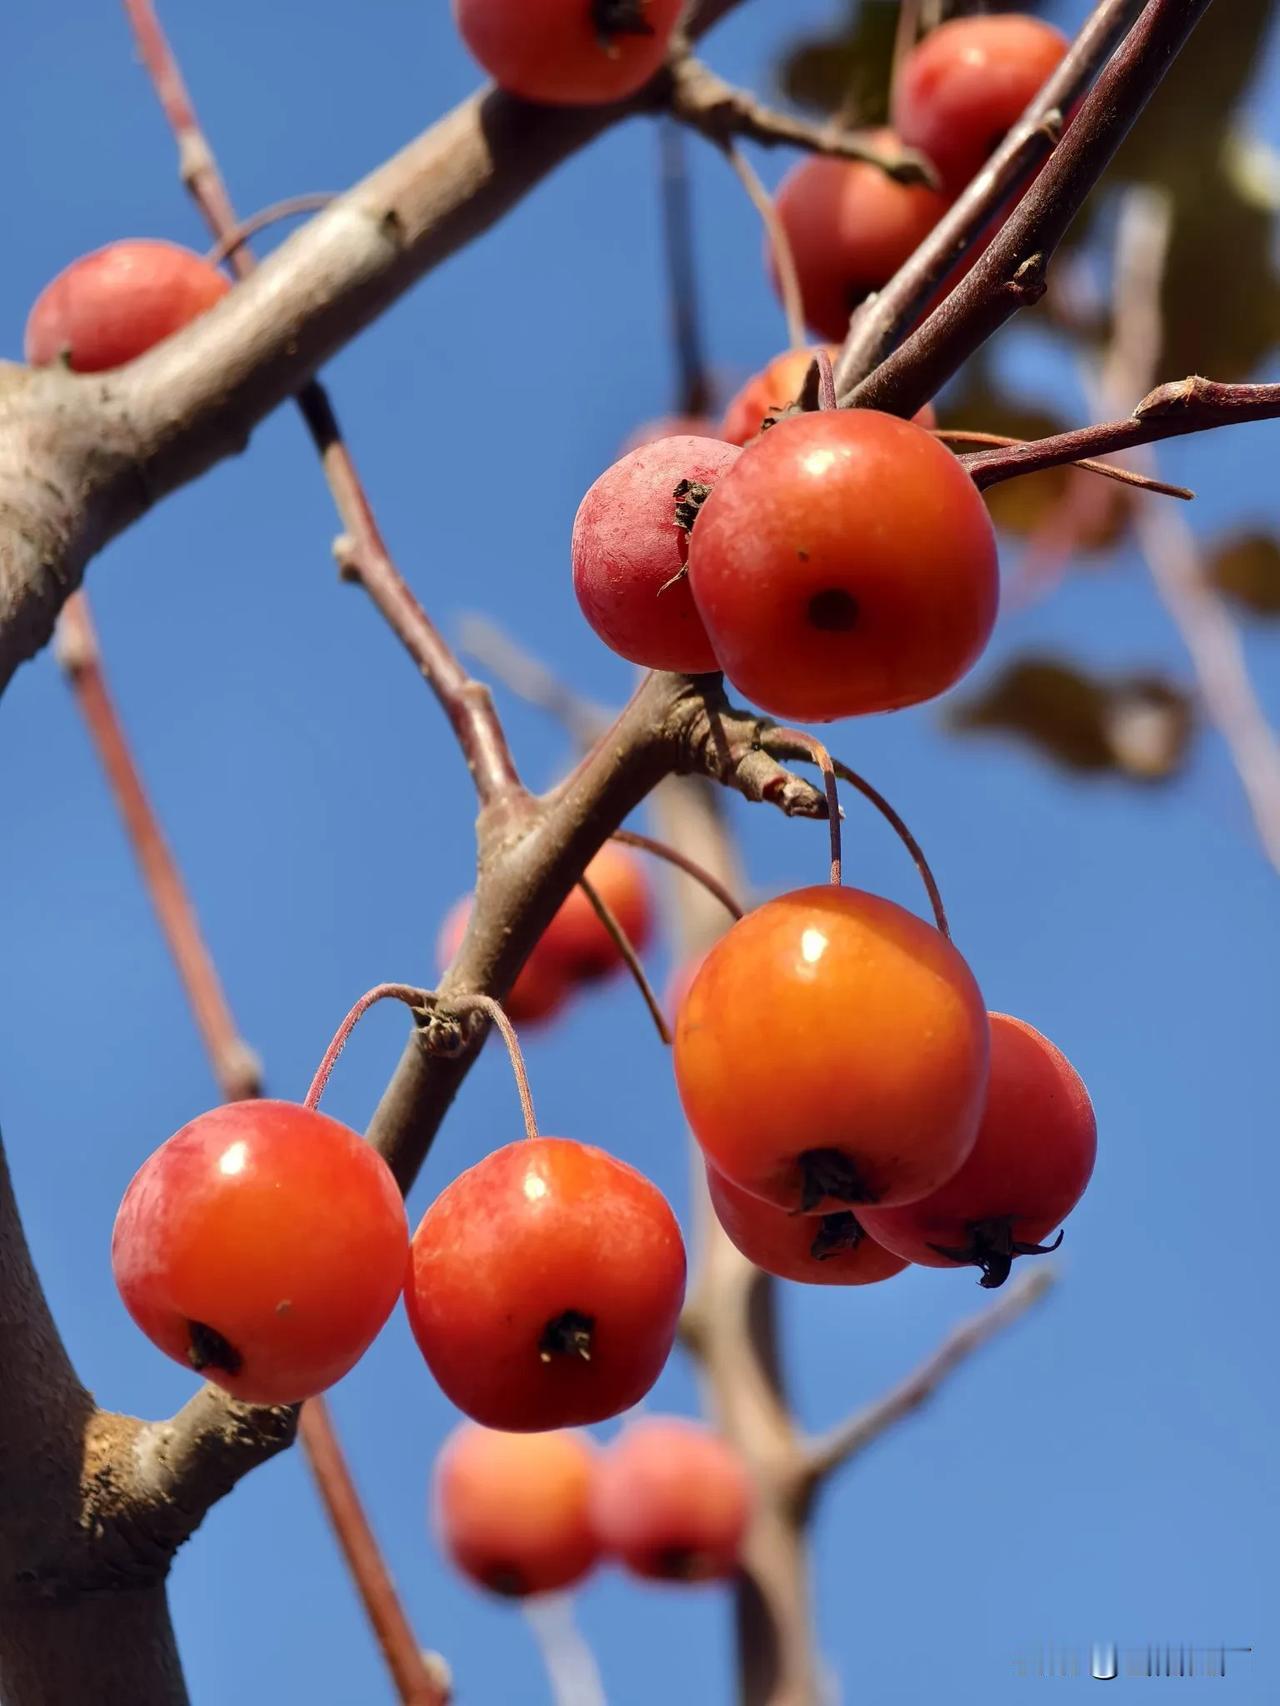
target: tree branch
<point>83,456</point>
<point>362,552</point>
<point>1171,411</point>
<point>880,322</point>
<point>1011,273</point>
<point>864,1427</point>
<point>235,1066</point>
<point>709,105</point>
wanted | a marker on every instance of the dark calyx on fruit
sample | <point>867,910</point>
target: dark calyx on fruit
<point>613,18</point>
<point>836,1232</point>
<point>830,1173</point>
<point>834,611</point>
<point>206,1348</point>
<point>690,495</point>
<point>567,1335</point>
<point>992,1247</point>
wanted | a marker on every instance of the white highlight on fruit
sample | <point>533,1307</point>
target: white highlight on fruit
<point>233,1158</point>
<point>813,944</point>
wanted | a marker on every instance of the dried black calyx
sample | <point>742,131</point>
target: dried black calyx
<point>833,611</point>
<point>681,1564</point>
<point>206,1348</point>
<point>613,18</point>
<point>992,1247</point>
<point>836,1233</point>
<point>506,1580</point>
<point>830,1173</point>
<point>567,1335</point>
<point>690,495</point>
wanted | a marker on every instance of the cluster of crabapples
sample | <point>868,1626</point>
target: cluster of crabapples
<point>858,1108</point>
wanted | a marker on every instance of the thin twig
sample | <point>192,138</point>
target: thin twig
<point>235,1066</point>
<point>627,950</point>
<point>531,680</point>
<point>779,243</point>
<point>682,862</point>
<point>865,1426</point>
<point>693,389</point>
<point>722,113</point>
<point>1011,273</point>
<point>1170,411</point>
<point>1109,470</point>
<point>361,549</point>
<point>413,1678</point>
<point>1168,545</point>
<point>496,1014</point>
<point>414,1000</point>
<point>880,323</point>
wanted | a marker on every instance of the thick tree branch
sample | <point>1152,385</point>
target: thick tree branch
<point>1171,411</point>
<point>82,456</point>
<point>864,1427</point>
<point>362,552</point>
<point>880,322</point>
<point>1011,273</point>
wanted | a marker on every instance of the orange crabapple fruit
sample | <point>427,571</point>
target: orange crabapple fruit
<point>850,228</point>
<point>828,1249</point>
<point>578,941</point>
<point>776,386</point>
<point>966,83</point>
<point>846,564</point>
<point>672,1501</point>
<point>630,545</point>
<point>264,1246</point>
<point>831,1052</point>
<point>114,304</point>
<point>545,1286</point>
<point>1033,1157</point>
<point>568,52</point>
<point>513,1511</point>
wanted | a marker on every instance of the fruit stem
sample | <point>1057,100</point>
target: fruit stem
<point>823,759</point>
<point>682,862</point>
<point>779,242</point>
<point>493,1010</point>
<point>622,942</point>
<point>310,202</point>
<point>415,999</point>
<point>778,743</point>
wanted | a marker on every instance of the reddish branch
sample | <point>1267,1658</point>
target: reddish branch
<point>880,323</point>
<point>415,1683</point>
<point>235,1066</point>
<point>1170,411</point>
<point>1011,273</point>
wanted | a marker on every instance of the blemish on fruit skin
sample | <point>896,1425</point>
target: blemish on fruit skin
<point>284,1306</point>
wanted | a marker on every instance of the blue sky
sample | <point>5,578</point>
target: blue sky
<point>1107,1471</point>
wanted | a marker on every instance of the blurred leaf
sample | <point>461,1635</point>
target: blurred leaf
<point>1138,726</point>
<point>846,72</point>
<point>1246,568</point>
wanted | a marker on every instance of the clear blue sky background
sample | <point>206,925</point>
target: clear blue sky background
<point>1106,1471</point>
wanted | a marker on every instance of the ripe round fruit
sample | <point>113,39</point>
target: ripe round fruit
<point>966,83</point>
<point>263,1245</point>
<point>545,1286</point>
<point>846,564</point>
<point>568,52</point>
<point>1028,1169</point>
<point>110,306</point>
<point>832,1051</point>
<point>828,1249</point>
<point>672,1501</point>
<point>513,1511</point>
<point>541,986</point>
<point>578,941</point>
<point>630,544</point>
<point>850,228</point>
<point>767,392</point>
